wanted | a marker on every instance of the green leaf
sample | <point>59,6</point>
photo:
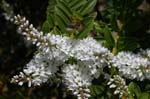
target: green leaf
<point>88,7</point>
<point>78,4</point>
<point>62,15</point>
<point>134,89</point>
<point>144,96</point>
<point>127,44</point>
<point>51,7</point>
<point>49,22</point>
<point>131,97</point>
<point>63,6</point>
<point>74,3</point>
<point>55,30</point>
<point>108,37</point>
<point>97,90</point>
<point>88,26</point>
<point>46,27</point>
<point>60,23</point>
<point>86,30</point>
<point>78,16</point>
<point>114,24</point>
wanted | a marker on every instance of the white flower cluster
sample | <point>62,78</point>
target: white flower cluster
<point>120,86</point>
<point>80,60</point>
<point>40,68</point>
<point>78,79</point>
<point>132,66</point>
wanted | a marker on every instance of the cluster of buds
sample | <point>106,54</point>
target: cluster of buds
<point>31,33</point>
<point>120,86</point>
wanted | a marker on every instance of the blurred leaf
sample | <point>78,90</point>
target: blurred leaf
<point>97,90</point>
<point>65,8</point>
<point>5,88</point>
<point>60,23</point>
<point>131,97</point>
<point>88,25</point>
<point>76,4</point>
<point>127,44</point>
<point>134,89</point>
<point>88,7</point>
<point>20,95</point>
<point>55,30</point>
<point>144,96</point>
<point>46,27</point>
<point>114,23</point>
<point>62,15</point>
<point>108,37</point>
<point>147,88</point>
<point>51,7</point>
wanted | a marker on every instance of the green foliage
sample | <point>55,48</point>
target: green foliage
<point>144,96</point>
<point>100,91</point>
<point>87,7</point>
<point>127,44</point>
<point>137,93</point>
<point>88,24</point>
<point>97,90</point>
<point>108,37</point>
<point>69,17</point>
<point>134,90</point>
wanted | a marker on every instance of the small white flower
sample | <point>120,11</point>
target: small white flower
<point>112,86</point>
